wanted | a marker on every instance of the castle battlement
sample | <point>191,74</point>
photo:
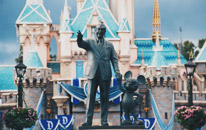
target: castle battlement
<point>165,76</point>
<point>35,77</point>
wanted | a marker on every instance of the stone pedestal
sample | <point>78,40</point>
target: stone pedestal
<point>129,127</point>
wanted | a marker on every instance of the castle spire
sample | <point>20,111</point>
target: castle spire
<point>124,24</point>
<point>66,12</point>
<point>178,58</point>
<point>157,47</point>
<point>123,15</point>
<point>65,25</point>
<point>34,2</point>
<point>156,21</point>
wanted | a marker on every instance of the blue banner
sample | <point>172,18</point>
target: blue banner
<point>75,84</point>
<point>131,117</point>
<point>65,121</point>
<point>148,122</point>
<point>49,124</point>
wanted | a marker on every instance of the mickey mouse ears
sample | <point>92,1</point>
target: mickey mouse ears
<point>127,75</point>
<point>141,79</point>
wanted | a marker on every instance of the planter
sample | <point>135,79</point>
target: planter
<point>19,118</point>
<point>191,118</point>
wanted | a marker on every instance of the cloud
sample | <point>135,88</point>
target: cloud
<point>8,52</point>
<point>9,47</point>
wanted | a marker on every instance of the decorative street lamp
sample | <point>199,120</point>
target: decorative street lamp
<point>190,69</point>
<point>20,71</point>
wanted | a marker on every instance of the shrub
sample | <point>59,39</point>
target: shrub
<point>19,118</point>
<point>191,117</point>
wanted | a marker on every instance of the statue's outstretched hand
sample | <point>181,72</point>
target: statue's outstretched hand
<point>119,77</point>
<point>79,36</point>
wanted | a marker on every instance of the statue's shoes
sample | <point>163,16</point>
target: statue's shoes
<point>105,124</point>
<point>87,124</point>
<point>138,122</point>
<point>127,122</point>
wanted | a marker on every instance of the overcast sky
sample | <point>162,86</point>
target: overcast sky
<point>189,14</point>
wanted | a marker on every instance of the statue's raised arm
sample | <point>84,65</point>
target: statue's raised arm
<point>79,36</point>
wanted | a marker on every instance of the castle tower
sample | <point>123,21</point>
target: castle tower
<point>65,35</point>
<point>79,5</point>
<point>124,32</point>
<point>33,29</point>
<point>156,22</point>
<point>116,7</point>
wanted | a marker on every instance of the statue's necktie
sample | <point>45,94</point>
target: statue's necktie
<point>100,45</point>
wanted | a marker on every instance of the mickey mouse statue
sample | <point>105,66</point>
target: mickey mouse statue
<point>128,102</point>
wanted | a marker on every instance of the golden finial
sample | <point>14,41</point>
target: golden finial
<point>191,55</point>
<point>156,21</point>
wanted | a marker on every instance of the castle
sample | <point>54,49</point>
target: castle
<point>155,58</point>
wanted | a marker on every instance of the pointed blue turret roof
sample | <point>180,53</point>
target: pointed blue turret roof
<point>105,15</point>
<point>124,26</point>
<point>201,57</point>
<point>65,25</point>
<point>34,12</point>
<point>33,60</point>
<point>168,55</point>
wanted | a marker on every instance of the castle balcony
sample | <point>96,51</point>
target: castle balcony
<point>181,97</point>
<point>8,99</point>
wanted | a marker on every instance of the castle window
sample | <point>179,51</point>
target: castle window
<point>93,31</point>
<point>79,69</point>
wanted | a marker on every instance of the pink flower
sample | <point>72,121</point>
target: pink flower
<point>205,112</point>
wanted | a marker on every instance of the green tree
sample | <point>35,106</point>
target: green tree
<point>196,53</point>
<point>201,43</point>
<point>20,54</point>
<point>187,47</point>
<point>176,46</point>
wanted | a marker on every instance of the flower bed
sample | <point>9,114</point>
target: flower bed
<point>19,118</point>
<point>191,117</point>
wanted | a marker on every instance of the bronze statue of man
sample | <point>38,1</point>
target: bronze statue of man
<point>98,71</point>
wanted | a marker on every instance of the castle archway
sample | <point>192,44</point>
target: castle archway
<point>54,46</point>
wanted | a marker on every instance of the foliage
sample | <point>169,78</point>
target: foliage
<point>19,118</point>
<point>20,54</point>
<point>187,47</point>
<point>191,117</point>
<point>175,44</point>
<point>196,53</point>
<point>201,43</point>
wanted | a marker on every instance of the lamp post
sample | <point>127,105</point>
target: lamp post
<point>190,69</point>
<point>20,71</point>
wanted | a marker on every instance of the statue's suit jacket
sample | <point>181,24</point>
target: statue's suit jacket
<point>99,58</point>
